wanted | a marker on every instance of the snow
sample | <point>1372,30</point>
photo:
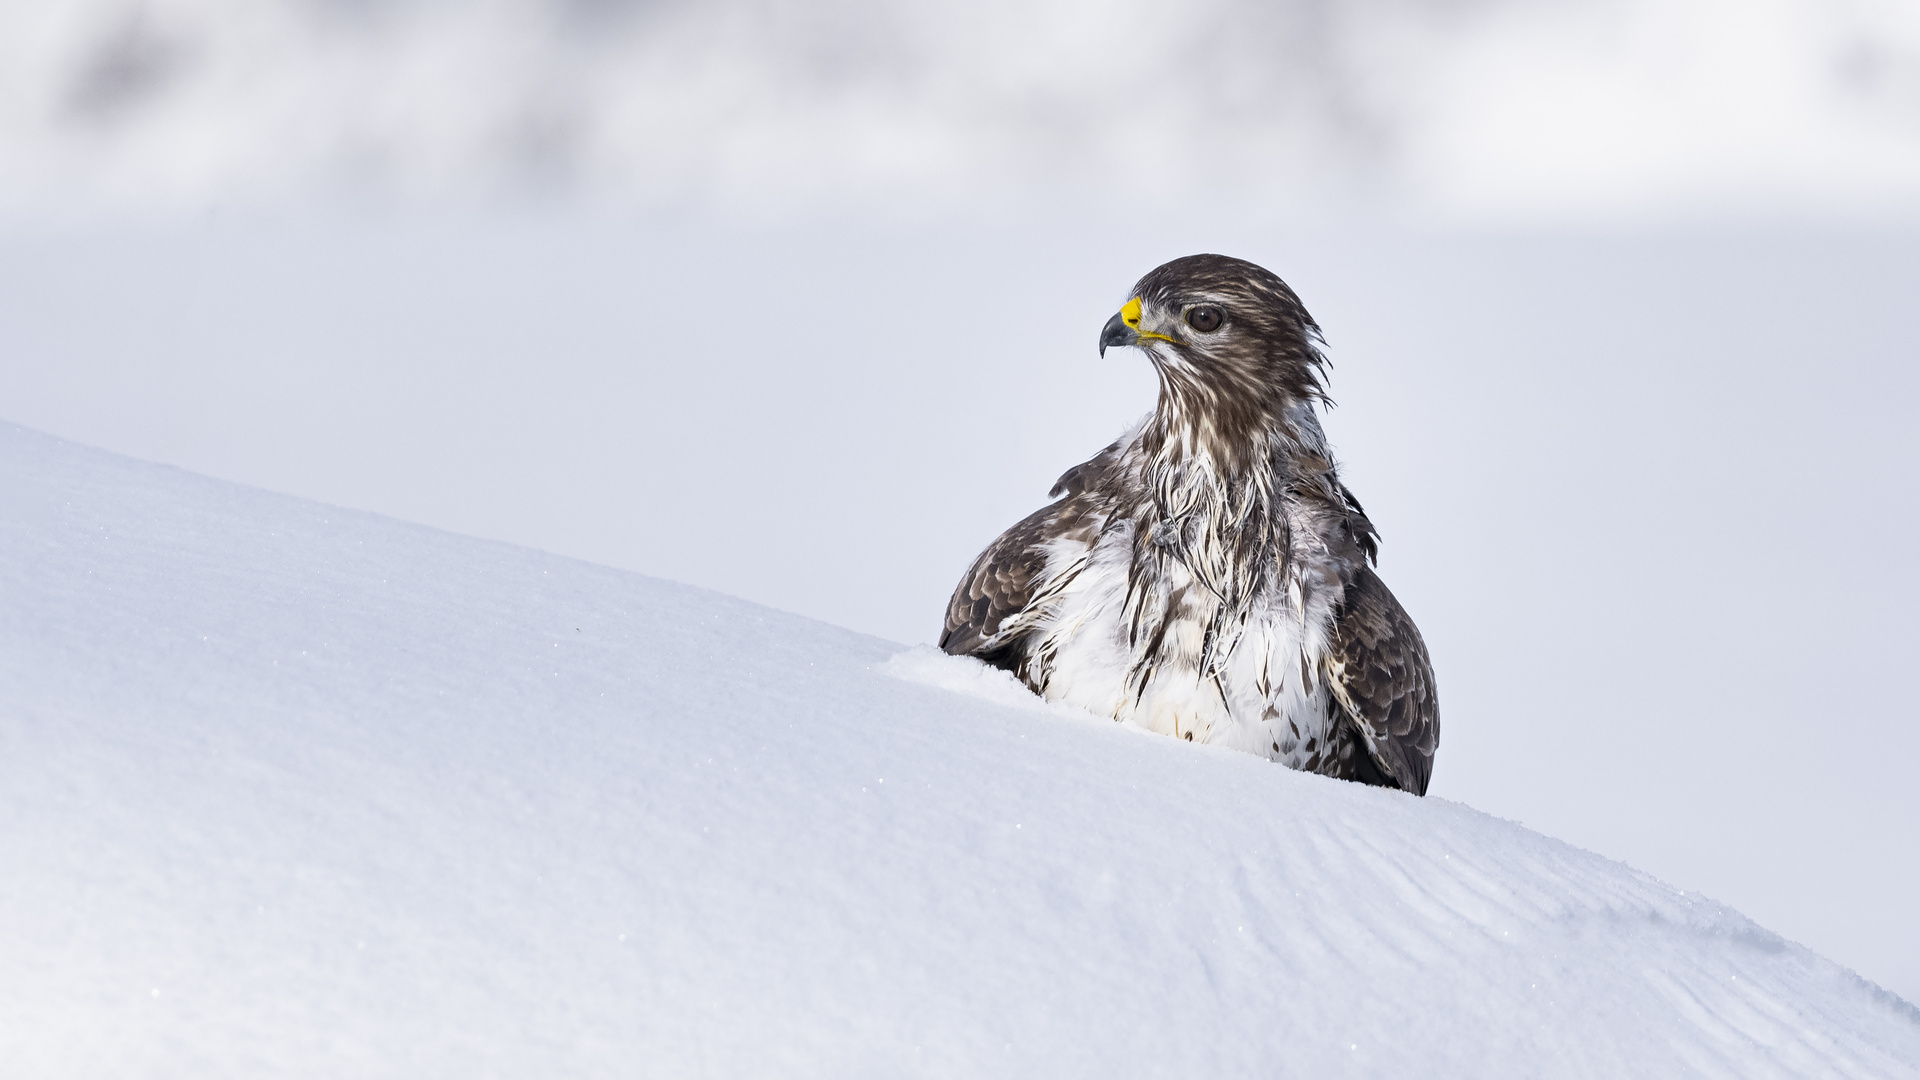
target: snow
<point>1505,112</point>
<point>295,791</point>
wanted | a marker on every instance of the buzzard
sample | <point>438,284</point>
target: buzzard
<point>1208,576</point>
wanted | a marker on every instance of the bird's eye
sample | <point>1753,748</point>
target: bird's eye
<point>1206,318</point>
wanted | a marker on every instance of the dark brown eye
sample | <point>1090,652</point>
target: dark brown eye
<point>1206,318</point>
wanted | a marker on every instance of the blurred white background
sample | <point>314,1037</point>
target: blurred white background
<point>798,302</point>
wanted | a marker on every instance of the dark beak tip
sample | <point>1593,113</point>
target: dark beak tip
<point>1116,332</point>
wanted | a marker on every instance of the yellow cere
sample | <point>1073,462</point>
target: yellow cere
<point>1130,314</point>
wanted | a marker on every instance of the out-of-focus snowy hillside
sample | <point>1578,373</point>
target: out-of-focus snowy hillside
<point>1486,109</point>
<point>288,790</point>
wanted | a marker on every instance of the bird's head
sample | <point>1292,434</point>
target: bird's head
<point>1234,348</point>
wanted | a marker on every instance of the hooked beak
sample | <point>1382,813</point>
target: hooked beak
<point>1117,332</point>
<point>1123,328</point>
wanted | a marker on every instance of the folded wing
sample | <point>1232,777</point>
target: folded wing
<point>1383,686</point>
<point>993,606</point>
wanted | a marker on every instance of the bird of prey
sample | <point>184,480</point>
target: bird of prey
<point>1208,576</point>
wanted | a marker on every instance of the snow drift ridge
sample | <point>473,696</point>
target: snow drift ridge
<point>293,791</point>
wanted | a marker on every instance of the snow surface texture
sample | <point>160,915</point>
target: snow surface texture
<point>294,791</point>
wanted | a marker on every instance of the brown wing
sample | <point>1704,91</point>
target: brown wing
<point>1383,687</point>
<point>998,587</point>
<point>983,616</point>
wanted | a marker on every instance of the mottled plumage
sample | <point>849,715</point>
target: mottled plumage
<point>1208,576</point>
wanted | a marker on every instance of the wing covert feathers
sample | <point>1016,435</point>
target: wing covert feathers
<point>1383,683</point>
<point>999,586</point>
<point>996,588</point>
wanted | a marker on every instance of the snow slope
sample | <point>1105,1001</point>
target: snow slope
<point>292,791</point>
